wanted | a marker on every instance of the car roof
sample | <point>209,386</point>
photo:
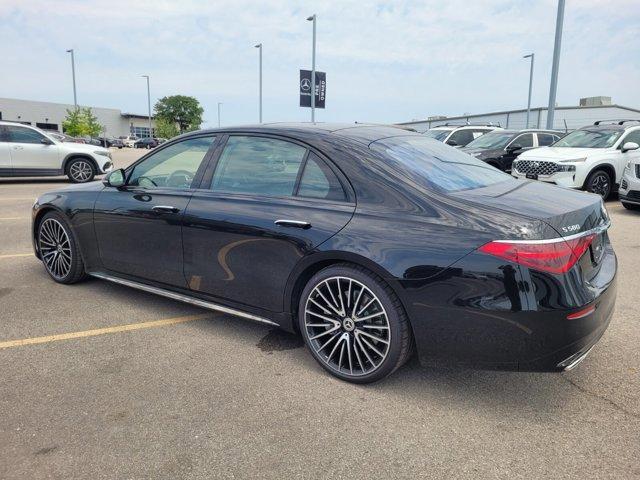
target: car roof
<point>362,133</point>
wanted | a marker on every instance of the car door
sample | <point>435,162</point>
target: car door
<point>5,154</point>
<point>632,136</point>
<point>264,204</point>
<point>524,141</point>
<point>139,226</point>
<point>29,155</point>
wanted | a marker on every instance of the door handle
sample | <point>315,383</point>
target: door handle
<point>165,209</point>
<point>293,223</point>
<point>18,147</point>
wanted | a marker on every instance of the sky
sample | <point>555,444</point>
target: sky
<point>386,61</point>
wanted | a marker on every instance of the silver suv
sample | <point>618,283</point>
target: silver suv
<point>459,135</point>
<point>629,192</point>
<point>27,151</point>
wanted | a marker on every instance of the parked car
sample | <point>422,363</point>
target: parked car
<point>63,137</point>
<point>27,151</point>
<point>500,147</point>
<point>130,141</point>
<point>369,241</point>
<point>146,143</point>
<point>116,143</point>
<point>458,135</point>
<point>629,192</point>
<point>592,158</point>
<point>92,141</point>
<point>161,140</point>
<point>111,142</point>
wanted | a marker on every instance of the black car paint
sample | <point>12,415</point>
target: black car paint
<point>465,307</point>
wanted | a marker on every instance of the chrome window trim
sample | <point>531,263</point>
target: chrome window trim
<point>182,298</point>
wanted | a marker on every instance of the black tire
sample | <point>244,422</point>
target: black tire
<point>66,272</point>
<point>630,206</point>
<point>599,182</point>
<point>80,170</point>
<point>400,341</point>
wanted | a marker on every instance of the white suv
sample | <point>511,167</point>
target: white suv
<point>592,158</point>
<point>459,135</point>
<point>29,152</point>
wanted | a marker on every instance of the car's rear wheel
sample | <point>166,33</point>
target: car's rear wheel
<point>81,170</point>
<point>354,324</point>
<point>59,250</point>
<point>599,182</point>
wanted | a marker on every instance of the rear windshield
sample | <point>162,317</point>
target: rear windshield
<point>437,134</point>
<point>437,166</point>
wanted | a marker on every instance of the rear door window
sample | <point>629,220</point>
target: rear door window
<point>460,137</point>
<point>258,166</point>
<point>525,140</point>
<point>319,181</point>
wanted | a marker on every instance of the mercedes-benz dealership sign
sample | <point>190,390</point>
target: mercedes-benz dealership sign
<point>305,88</point>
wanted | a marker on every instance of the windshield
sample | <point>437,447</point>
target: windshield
<point>437,134</point>
<point>600,138</point>
<point>491,140</point>
<point>437,166</point>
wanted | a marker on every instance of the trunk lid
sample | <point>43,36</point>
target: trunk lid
<point>567,211</point>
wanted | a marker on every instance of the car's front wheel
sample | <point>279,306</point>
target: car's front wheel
<point>59,250</point>
<point>630,206</point>
<point>599,182</point>
<point>354,324</point>
<point>80,170</point>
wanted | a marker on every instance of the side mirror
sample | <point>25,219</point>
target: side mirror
<point>46,141</point>
<point>514,147</point>
<point>452,143</point>
<point>628,146</point>
<point>115,179</point>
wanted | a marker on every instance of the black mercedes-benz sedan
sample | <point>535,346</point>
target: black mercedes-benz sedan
<point>369,241</point>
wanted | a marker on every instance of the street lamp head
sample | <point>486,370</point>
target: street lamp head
<point>528,56</point>
<point>312,17</point>
<point>144,76</point>
<point>70,50</point>
<point>259,45</point>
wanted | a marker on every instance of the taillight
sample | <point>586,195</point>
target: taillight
<point>554,256</point>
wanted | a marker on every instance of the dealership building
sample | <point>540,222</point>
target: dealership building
<point>49,116</point>
<point>588,111</point>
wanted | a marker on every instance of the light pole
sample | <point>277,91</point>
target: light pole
<point>556,64</point>
<point>259,47</point>
<point>312,18</point>
<point>219,105</point>
<point>148,103</point>
<point>73,74</point>
<point>531,56</point>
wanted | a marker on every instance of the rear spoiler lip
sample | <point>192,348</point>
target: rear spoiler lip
<point>599,229</point>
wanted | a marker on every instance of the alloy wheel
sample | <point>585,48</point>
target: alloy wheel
<point>80,171</point>
<point>600,184</point>
<point>55,248</point>
<point>347,326</point>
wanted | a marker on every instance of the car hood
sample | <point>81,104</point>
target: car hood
<point>82,147</point>
<point>558,153</point>
<point>483,153</point>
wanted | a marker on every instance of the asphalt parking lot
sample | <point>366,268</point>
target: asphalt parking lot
<point>144,387</point>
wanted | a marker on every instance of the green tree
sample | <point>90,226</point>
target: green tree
<point>165,128</point>
<point>72,124</point>
<point>91,125</point>
<point>81,122</point>
<point>184,111</point>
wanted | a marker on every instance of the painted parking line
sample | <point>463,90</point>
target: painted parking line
<point>17,255</point>
<point>3,219</point>
<point>102,331</point>
<point>17,199</point>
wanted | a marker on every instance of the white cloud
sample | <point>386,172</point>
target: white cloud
<point>385,61</point>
